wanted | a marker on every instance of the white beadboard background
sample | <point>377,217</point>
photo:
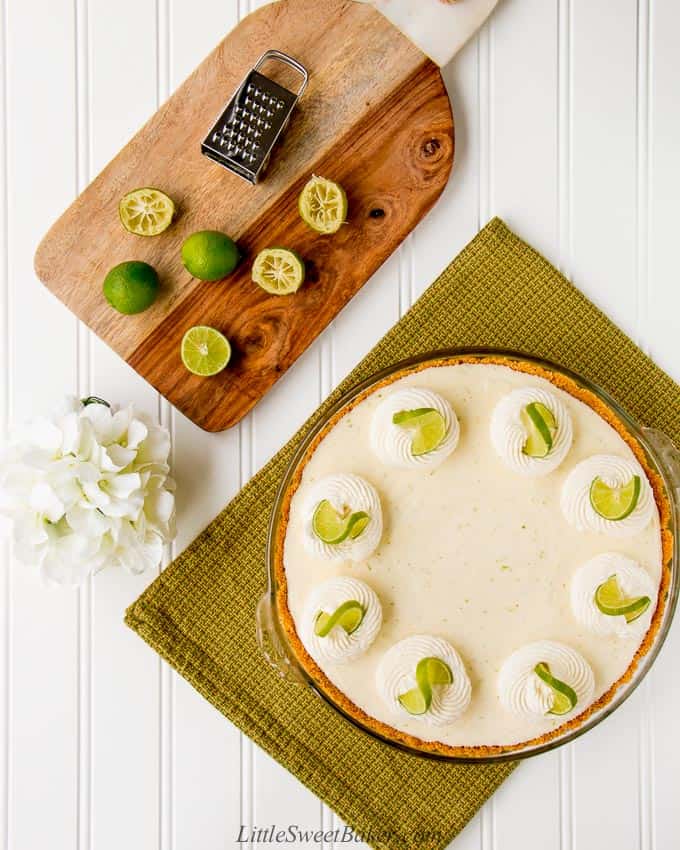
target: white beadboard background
<point>568,126</point>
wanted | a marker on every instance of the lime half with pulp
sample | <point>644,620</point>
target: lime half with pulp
<point>279,271</point>
<point>323,205</point>
<point>615,503</point>
<point>131,287</point>
<point>332,527</point>
<point>348,616</point>
<point>564,696</point>
<point>205,351</point>
<point>146,211</point>
<point>613,602</point>
<point>427,426</point>
<point>541,427</point>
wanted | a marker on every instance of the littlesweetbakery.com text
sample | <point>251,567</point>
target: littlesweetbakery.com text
<point>292,834</point>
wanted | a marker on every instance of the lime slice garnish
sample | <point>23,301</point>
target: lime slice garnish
<point>428,427</point>
<point>348,616</point>
<point>611,600</point>
<point>564,696</point>
<point>541,428</point>
<point>323,205</point>
<point>430,672</point>
<point>333,528</point>
<point>210,255</point>
<point>131,287</point>
<point>615,503</point>
<point>278,271</point>
<point>205,351</point>
<point>146,211</point>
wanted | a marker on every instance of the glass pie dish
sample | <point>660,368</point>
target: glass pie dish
<point>658,456</point>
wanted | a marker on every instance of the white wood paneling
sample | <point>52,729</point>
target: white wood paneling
<point>567,126</point>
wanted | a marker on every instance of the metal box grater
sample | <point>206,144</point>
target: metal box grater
<point>244,135</point>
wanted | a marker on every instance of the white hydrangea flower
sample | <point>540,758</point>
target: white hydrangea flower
<point>88,488</point>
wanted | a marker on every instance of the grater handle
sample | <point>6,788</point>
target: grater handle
<point>287,60</point>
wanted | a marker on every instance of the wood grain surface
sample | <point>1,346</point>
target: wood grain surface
<point>375,117</point>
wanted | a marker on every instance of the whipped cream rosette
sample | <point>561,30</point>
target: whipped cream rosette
<point>523,691</point>
<point>614,472</point>
<point>608,584</point>
<point>393,443</point>
<point>510,430</point>
<point>339,644</point>
<point>348,495</point>
<point>396,677</point>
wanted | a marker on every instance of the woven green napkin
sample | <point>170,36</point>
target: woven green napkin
<point>200,613</point>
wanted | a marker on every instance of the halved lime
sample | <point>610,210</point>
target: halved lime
<point>428,427</point>
<point>146,211</point>
<point>333,527</point>
<point>210,255</point>
<point>541,428</point>
<point>564,696</point>
<point>131,287</point>
<point>323,205</point>
<point>611,600</point>
<point>205,351</point>
<point>615,503</point>
<point>429,673</point>
<point>278,271</point>
<point>348,616</point>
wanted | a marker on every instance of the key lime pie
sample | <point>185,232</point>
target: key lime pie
<point>472,556</point>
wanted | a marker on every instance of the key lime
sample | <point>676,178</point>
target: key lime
<point>205,351</point>
<point>541,428</point>
<point>333,528</point>
<point>210,255</point>
<point>564,696</point>
<point>131,287</point>
<point>430,672</point>
<point>323,205</point>
<point>348,616</point>
<point>278,271</point>
<point>146,212</point>
<point>426,424</point>
<point>615,503</point>
<point>611,600</point>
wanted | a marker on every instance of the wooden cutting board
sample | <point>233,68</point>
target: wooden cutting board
<point>375,118</point>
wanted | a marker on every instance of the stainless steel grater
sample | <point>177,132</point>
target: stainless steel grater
<point>244,135</point>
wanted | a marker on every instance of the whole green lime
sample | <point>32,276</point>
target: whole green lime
<point>131,287</point>
<point>210,255</point>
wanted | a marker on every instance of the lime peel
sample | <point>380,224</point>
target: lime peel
<point>428,427</point>
<point>332,527</point>
<point>349,616</point>
<point>615,503</point>
<point>564,696</point>
<point>612,601</point>
<point>541,426</point>
<point>430,672</point>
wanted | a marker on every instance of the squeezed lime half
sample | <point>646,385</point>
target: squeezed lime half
<point>146,211</point>
<point>323,205</point>
<point>279,271</point>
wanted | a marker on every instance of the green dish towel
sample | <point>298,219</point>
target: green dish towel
<point>200,613</point>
